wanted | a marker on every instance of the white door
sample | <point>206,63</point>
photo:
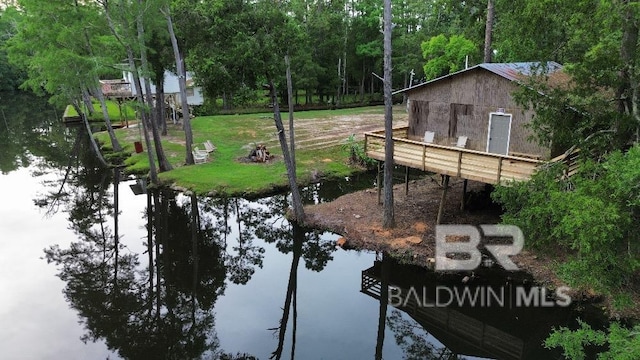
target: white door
<point>499,133</point>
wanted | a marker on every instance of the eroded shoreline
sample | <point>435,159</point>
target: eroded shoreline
<point>357,217</point>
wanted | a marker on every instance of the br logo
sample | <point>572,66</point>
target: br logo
<point>448,242</point>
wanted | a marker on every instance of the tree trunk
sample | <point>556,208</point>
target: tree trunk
<point>116,235</point>
<point>488,30</point>
<point>161,111</point>
<point>182,83</point>
<point>628,87</point>
<point>298,238</point>
<point>150,221</point>
<point>157,222</point>
<point>163,162</point>
<point>290,101</point>
<point>153,173</point>
<point>225,102</point>
<point>107,121</point>
<point>362,83</point>
<point>340,83</point>
<point>296,199</point>
<point>388,218</point>
<point>86,100</point>
<point>384,301</point>
<point>92,140</point>
<point>195,229</point>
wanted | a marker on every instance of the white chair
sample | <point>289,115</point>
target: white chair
<point>201,152</point>
<point>462,142</point>
<point>209,147</point>
<point>199,157</point>
<point>428,136</point>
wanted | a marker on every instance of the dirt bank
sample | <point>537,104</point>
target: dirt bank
<point>358,218</point>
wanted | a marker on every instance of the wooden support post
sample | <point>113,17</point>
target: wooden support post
<point>406,180</point>
<point>378,183</point>
<point>464,194</point>
<point>444,195</point>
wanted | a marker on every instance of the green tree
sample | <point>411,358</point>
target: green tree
<point>623,343</point>
<point>58,44</point>
<point>219,47</point>
<point>366,45</point>
<point>11,76</point>
<point>445,56</point>
<point>409,19</point>
<point>565,37</point>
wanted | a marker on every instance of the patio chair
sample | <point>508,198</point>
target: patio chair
<point>428,136</point>
<point>199,157</point>
<point>462,142</point>
<point>201,153</point>
<point>209,147</point>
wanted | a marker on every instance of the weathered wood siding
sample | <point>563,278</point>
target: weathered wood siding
<point>460,105</point>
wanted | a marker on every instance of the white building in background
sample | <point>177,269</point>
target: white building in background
<point>171,88</point>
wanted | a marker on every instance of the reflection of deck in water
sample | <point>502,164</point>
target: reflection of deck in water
<point>500,333</point>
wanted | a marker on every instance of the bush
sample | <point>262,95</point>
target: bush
<point>357,156</point>
<point>592,216</point>
<point>623,343</point>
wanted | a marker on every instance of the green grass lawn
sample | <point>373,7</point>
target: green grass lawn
<point>128,112</point>
<point>234,135</point>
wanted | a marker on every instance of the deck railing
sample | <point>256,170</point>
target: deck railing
<point>450,160</point>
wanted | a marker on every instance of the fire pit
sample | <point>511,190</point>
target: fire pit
<point>260,154</point>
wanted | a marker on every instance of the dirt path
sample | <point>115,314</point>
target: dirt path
<point>322,133</point>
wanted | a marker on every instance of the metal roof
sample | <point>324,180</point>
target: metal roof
<point>517,71</point>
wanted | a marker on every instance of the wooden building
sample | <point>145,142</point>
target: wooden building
<point>478,103</point>
<point>118,88</point>
<point>468,125</point>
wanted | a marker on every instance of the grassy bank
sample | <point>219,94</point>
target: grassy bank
<point>116,113</point>
<point>234,136</point>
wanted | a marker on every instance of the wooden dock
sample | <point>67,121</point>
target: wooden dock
<point>450,160</point>
<point>70,116</point>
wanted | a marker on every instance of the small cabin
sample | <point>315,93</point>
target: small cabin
<point>172,88</point>
<point>468,125</point>
<point>477,105</point>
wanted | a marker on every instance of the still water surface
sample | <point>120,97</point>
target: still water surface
<point>224,275</point>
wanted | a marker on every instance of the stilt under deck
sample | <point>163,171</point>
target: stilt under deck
<point>450,160</point>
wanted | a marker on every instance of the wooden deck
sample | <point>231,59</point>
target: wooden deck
<point>450,160</point>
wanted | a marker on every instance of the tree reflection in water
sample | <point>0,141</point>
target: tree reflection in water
<point>161,304</point>
<point>115,297</point>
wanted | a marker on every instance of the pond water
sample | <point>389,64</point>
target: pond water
<point>93,266</point>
